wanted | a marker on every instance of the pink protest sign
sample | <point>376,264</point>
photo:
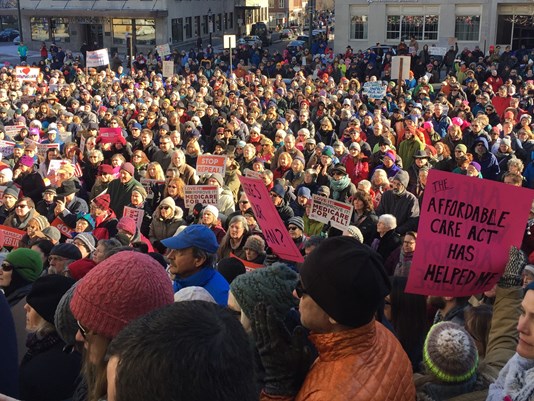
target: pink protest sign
<point>271,224</point>
<point>466,228</point>
<point>110,135</point>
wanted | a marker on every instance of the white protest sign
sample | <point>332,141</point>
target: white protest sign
<point>229,41</point>
<point>205,194</point>
<point>163,50</point>
<point>167,68</point>
<point>148,184</point>
<point>42,148</point>
<point>328,210</point>
<point>437,51</point>
<point>400,67</point>
<point>55,165</point>
<point>12,130</point>
<point>134,213</point>
<point>97,58</point>
<point>24,73</point>
<point>374,90</point>
<point>209,164</point>
<point>6,148</point>
<point>253,174</point>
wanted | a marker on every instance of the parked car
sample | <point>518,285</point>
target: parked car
<point>16,41</point>
<point>286,33</point>
<point>260,29</point>
<point>251,40</point>
<point>293,46</point>
<point>8,34</point>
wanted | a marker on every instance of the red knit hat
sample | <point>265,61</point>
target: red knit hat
<point>118,290</point>
<point>129,168</point>
<point>79,268</point>
<point>127,224</point>
<point>102,201</point>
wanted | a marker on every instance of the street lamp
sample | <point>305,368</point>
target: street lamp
<point>210,27</point>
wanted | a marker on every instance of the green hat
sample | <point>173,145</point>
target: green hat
<point>27,263</point>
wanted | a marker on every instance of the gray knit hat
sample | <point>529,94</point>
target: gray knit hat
<point>296,221</point>
<point>42,221</point>
<point>64,320</point>
<point>255,243</point>
<point>450,353</point>
<point>52,233</point>
<point>271,285</point>
<point>355,232</point>
<point>88,240</point>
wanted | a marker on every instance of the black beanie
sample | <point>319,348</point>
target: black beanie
<point>230,268</point>
<point>346,279</point>
<point>46,293</point>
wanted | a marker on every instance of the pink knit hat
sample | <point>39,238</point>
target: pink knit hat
<point>118,290</point>
<point>127,224</point>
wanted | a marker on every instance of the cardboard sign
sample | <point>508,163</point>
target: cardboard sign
<point>167,69</point>
<point>269,220</point>
<point>209,164</point>
<point>134,213</point>
<point>328,210</point>
<point>437,51</point>
<point>205,194</point>
<point>109,135</point>
<point>63,228</point>
<point>12,130</point>
<point>25,73</point>
<point>42,148</point>
<point>148,183</point>
<point>6,148</point>
<point>55,165</point>
<point>374,90</point>
<point>163,50</point>
<point>400,67</point>
<point>97,58</point>
<point>11,236</point>
<point>466,228</point>
<point>253,174</point>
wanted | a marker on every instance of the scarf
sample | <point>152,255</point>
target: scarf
<point>338,186</point>
<point>38,343</point>
<point>515,382</point>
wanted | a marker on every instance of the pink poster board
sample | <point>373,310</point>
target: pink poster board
<point>110,135</point>
<point>466,228</point>
<point>271,224</point>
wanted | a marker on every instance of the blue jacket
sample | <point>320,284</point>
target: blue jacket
<point>211,280</point>
<point>488,162</point>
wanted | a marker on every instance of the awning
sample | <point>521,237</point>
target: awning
<point>93,13</point>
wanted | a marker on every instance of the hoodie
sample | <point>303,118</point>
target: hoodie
<point>488,161</point>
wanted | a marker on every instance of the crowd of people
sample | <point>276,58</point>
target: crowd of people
<point>190,302</point>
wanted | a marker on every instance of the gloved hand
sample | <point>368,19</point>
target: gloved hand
<point>286,357</point>
<point>514,267</point>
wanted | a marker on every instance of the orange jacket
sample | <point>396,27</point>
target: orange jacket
<point>363,364</point>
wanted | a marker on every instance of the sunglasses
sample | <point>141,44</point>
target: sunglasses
<point>299,289</point>
<point>7,267</point>
<point>165,207</point>
<point>292,228</point>
<point>21,206</point>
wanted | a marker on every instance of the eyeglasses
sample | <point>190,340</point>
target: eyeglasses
<point>172,186</point>
<point>299,289</point>
<point>83,330</point>
<point>292,228</point>
<point>244,202</point>
<point>136,156</point>
<point>7,267</point>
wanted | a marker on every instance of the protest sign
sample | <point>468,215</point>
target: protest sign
<point>163,50</point>
<point>249,266</point>
<point>209,164</point>
<point>400,67</point>
<point>97,58</point>
<point>42,148</point>
<point>109,135</point>
<point>328,210</point>
<point>6,148</point>
<point>253,174</point>
<point>55,165</point>
<point>437,51</point>
<point>205,194</point>
<point>272,226</point>
<point>63,228</point>
<point>466,228</point>
<point>11,236</point>
<point>148,183</point>
<point>374,90</point>
<point>24,73</point>
<point>134,213</point>
<point>168,68</point>
<point>12,130</point>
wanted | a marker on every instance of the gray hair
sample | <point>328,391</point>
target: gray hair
<point>389,221</point>
<point>239,219</point>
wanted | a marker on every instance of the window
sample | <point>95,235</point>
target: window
<point>205,25</point>
<point>60,29</point>
<point>121,26</point>
<point>231,21</point>
<point>40,29</point>
<point>177,27</point>
<point>145,31</point>
<point>281,3</point>
<point>218,21</point>
<point>422,27</point>
<point>188,27</point>
<point>467,28</point>
<point>358,27</point>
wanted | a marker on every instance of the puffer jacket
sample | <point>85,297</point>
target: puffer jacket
<point>161,228</point>
<point>366,363</point>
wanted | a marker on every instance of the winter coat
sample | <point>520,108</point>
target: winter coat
<point>209,279</point>
<point>70,214</point>
<point>488,161</point>
<point>161,228</point>
<point>284,211</point>
<point>367,225</point>
<point>357,170</point>
<point>8,362</point>
<point>106,228</point>
<point>32,186</point>
<point>407,149</point>
<point>226,204</point>
<point>388,243</point>
<point>366,363</point>
<point>17,300</point>
<point>121,194</point>
<point>47,373</point>
<point>14,221</point>
<point>404,207</point>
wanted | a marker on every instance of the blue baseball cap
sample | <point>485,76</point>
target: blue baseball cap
<point>195,236</point>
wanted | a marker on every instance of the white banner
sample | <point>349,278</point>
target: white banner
<point>168,68</point>
<point>205,194</point>
<point>437,51</point>
<point>97,58</point>
<point>25,73</point>
<point>163,50</point>
<point>6,148</point>
<point>374,90</point>
<point>328,210</point>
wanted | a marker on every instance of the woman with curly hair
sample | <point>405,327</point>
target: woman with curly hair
<point>364,216</point>
<point>140,162</point>
<point>175,188</point>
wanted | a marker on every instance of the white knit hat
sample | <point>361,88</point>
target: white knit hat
<point>212,209</point>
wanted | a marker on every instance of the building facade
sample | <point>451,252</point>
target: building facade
<point>108,22</point>
<point>286,12</point>
<point>434,22</point>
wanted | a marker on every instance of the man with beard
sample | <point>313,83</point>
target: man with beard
<point>449,309</point>
<point>401,204</point>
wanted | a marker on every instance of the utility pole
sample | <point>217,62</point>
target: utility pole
<point>311,4</point>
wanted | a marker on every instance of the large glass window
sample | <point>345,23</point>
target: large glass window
<point>121,26</point>
<point>40,29</point>
<point>467,28</point>
<point>422,27</point>
<point>188,27</point>
<point>177,27</point>
<point>60,29</point>
<point>145,31</point>
<point>358,27</point>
